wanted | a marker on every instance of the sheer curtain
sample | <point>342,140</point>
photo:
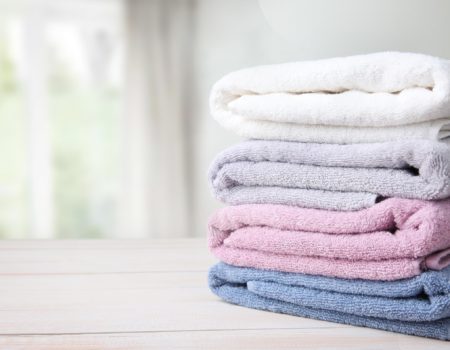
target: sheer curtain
<point>156,181</point>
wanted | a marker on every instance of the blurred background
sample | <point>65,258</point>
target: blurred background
<point>104,124</point>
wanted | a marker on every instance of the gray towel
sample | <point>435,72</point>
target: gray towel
<point>330,176</point>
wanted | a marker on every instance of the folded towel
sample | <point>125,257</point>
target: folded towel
<point>366,98</point>
<point>417,306</point>
<point>394,239</point>
<point>335,177</point>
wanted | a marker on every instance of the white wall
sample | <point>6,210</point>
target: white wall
<point>233,34</point>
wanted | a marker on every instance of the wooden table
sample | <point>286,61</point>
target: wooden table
<point>151,294</point>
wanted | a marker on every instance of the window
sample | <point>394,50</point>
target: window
<point>60,117</point>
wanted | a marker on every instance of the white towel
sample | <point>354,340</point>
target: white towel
<point>365,98</point>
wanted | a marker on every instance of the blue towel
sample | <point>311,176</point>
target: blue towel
<point>417,306</point>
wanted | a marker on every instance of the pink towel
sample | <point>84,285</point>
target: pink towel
<point>394,239</point>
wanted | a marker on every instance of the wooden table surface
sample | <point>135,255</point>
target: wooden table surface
<point>147,294</point>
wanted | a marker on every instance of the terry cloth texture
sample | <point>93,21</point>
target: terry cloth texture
<point>394,239</point>
<point>366,98</point>
<point>326,176</point>
<point>416,306</point>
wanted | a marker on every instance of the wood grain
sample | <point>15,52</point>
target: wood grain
<point>146,295</point>
<point>333,338</point>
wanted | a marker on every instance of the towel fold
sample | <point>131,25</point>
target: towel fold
<point>326,176</point>
<point>394,239</point>
<point>365,98</point>
<point>417,306</point>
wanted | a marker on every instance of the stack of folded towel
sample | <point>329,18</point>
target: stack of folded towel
<point>339,204</point>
